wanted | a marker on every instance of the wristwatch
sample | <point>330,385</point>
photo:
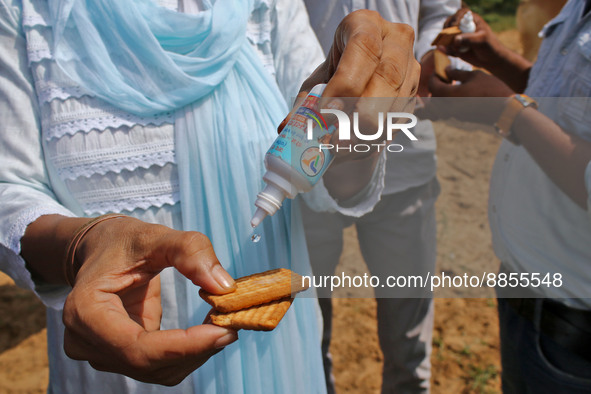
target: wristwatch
<point>515,105</point>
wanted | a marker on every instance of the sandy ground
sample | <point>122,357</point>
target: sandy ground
<point>23,346</point>
<point>465,355</point>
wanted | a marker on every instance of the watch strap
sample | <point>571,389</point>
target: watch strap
<point>513,108</point>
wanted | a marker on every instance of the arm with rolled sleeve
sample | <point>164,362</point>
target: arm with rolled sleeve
<point>432,16</point>
<point>320,200</point>
<point>25,193</point>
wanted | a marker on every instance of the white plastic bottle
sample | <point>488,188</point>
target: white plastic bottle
<point>294,162</point>
<point>467,24</point>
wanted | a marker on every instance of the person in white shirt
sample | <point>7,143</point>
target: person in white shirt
<point>399,236</point>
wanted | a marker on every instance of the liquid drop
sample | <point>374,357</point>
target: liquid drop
<point>255,238</point>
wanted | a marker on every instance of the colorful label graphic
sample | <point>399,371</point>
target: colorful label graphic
<point>312,161</point>
<point>294,147</point>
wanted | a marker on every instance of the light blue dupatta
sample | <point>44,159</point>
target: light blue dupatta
<point>146,60</point>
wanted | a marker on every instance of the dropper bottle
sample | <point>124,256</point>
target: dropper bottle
<point>295,162</point>
<point>467,24</point>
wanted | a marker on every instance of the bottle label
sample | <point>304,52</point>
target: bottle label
<point>294,147</point>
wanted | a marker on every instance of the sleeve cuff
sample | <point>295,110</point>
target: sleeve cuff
<point>319,200</point>
<point>14,265</point>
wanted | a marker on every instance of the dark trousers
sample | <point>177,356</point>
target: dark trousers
<point>533,362</point>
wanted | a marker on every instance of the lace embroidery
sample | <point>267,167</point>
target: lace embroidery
<point>31,21</point>
<point>27,217</point>
<point>85,114</point>
<point>35,13</point>
<point>101,122</point>
<point>38,47</point>
<point>259,26</point>
<point>48,94</point>
<point>258,32</point>
<point>87,164</point>
<point>131,204</point>
<point>128,198</point>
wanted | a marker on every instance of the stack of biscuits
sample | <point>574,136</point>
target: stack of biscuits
<point>444,38</point>
<point>259,302</point>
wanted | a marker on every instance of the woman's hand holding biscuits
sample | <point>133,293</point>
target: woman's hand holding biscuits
<point>112,316</point>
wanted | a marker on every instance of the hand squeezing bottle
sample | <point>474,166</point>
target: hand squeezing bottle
<point>296,161</point>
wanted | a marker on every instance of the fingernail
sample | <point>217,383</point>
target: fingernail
<point>223,278</point>
<point>227,339</point>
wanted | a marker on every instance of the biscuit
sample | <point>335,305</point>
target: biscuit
<point>261,317</point>
<point>256,289</point>
<point>446,36</point>
<point>441,62</point>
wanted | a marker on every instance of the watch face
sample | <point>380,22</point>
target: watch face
<point>526,101</point>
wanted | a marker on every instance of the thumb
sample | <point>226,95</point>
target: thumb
<point>194,342</point>
<point>464,43</point>
<point>455,74</point>
<point>438,88</point>
<point>467,40</point>
<point>174,354</point>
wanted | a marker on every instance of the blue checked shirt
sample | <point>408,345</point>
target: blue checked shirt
<point>535,226</point>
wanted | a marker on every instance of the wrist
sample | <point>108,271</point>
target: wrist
<point>427,55</point>
<point>84,242</point>
<point>514,106</point>
<point>521,130</point>
<point>510,67</point>
<point>43,246</point>
<point>500,59</point>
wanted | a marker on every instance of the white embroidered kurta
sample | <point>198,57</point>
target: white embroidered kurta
<point>64,152</point>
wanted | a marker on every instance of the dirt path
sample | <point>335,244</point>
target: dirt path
<point>23,345</point>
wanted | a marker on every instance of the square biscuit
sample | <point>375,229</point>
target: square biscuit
<point>260,317</point>
<point>441,61</point>
<point>446,36</point>
<point>256,289</point>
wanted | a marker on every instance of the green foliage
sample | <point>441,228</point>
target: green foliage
<point>499,22</point>
<point>481,376</point>
<point>499,14</point>
<point>483,7</point>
